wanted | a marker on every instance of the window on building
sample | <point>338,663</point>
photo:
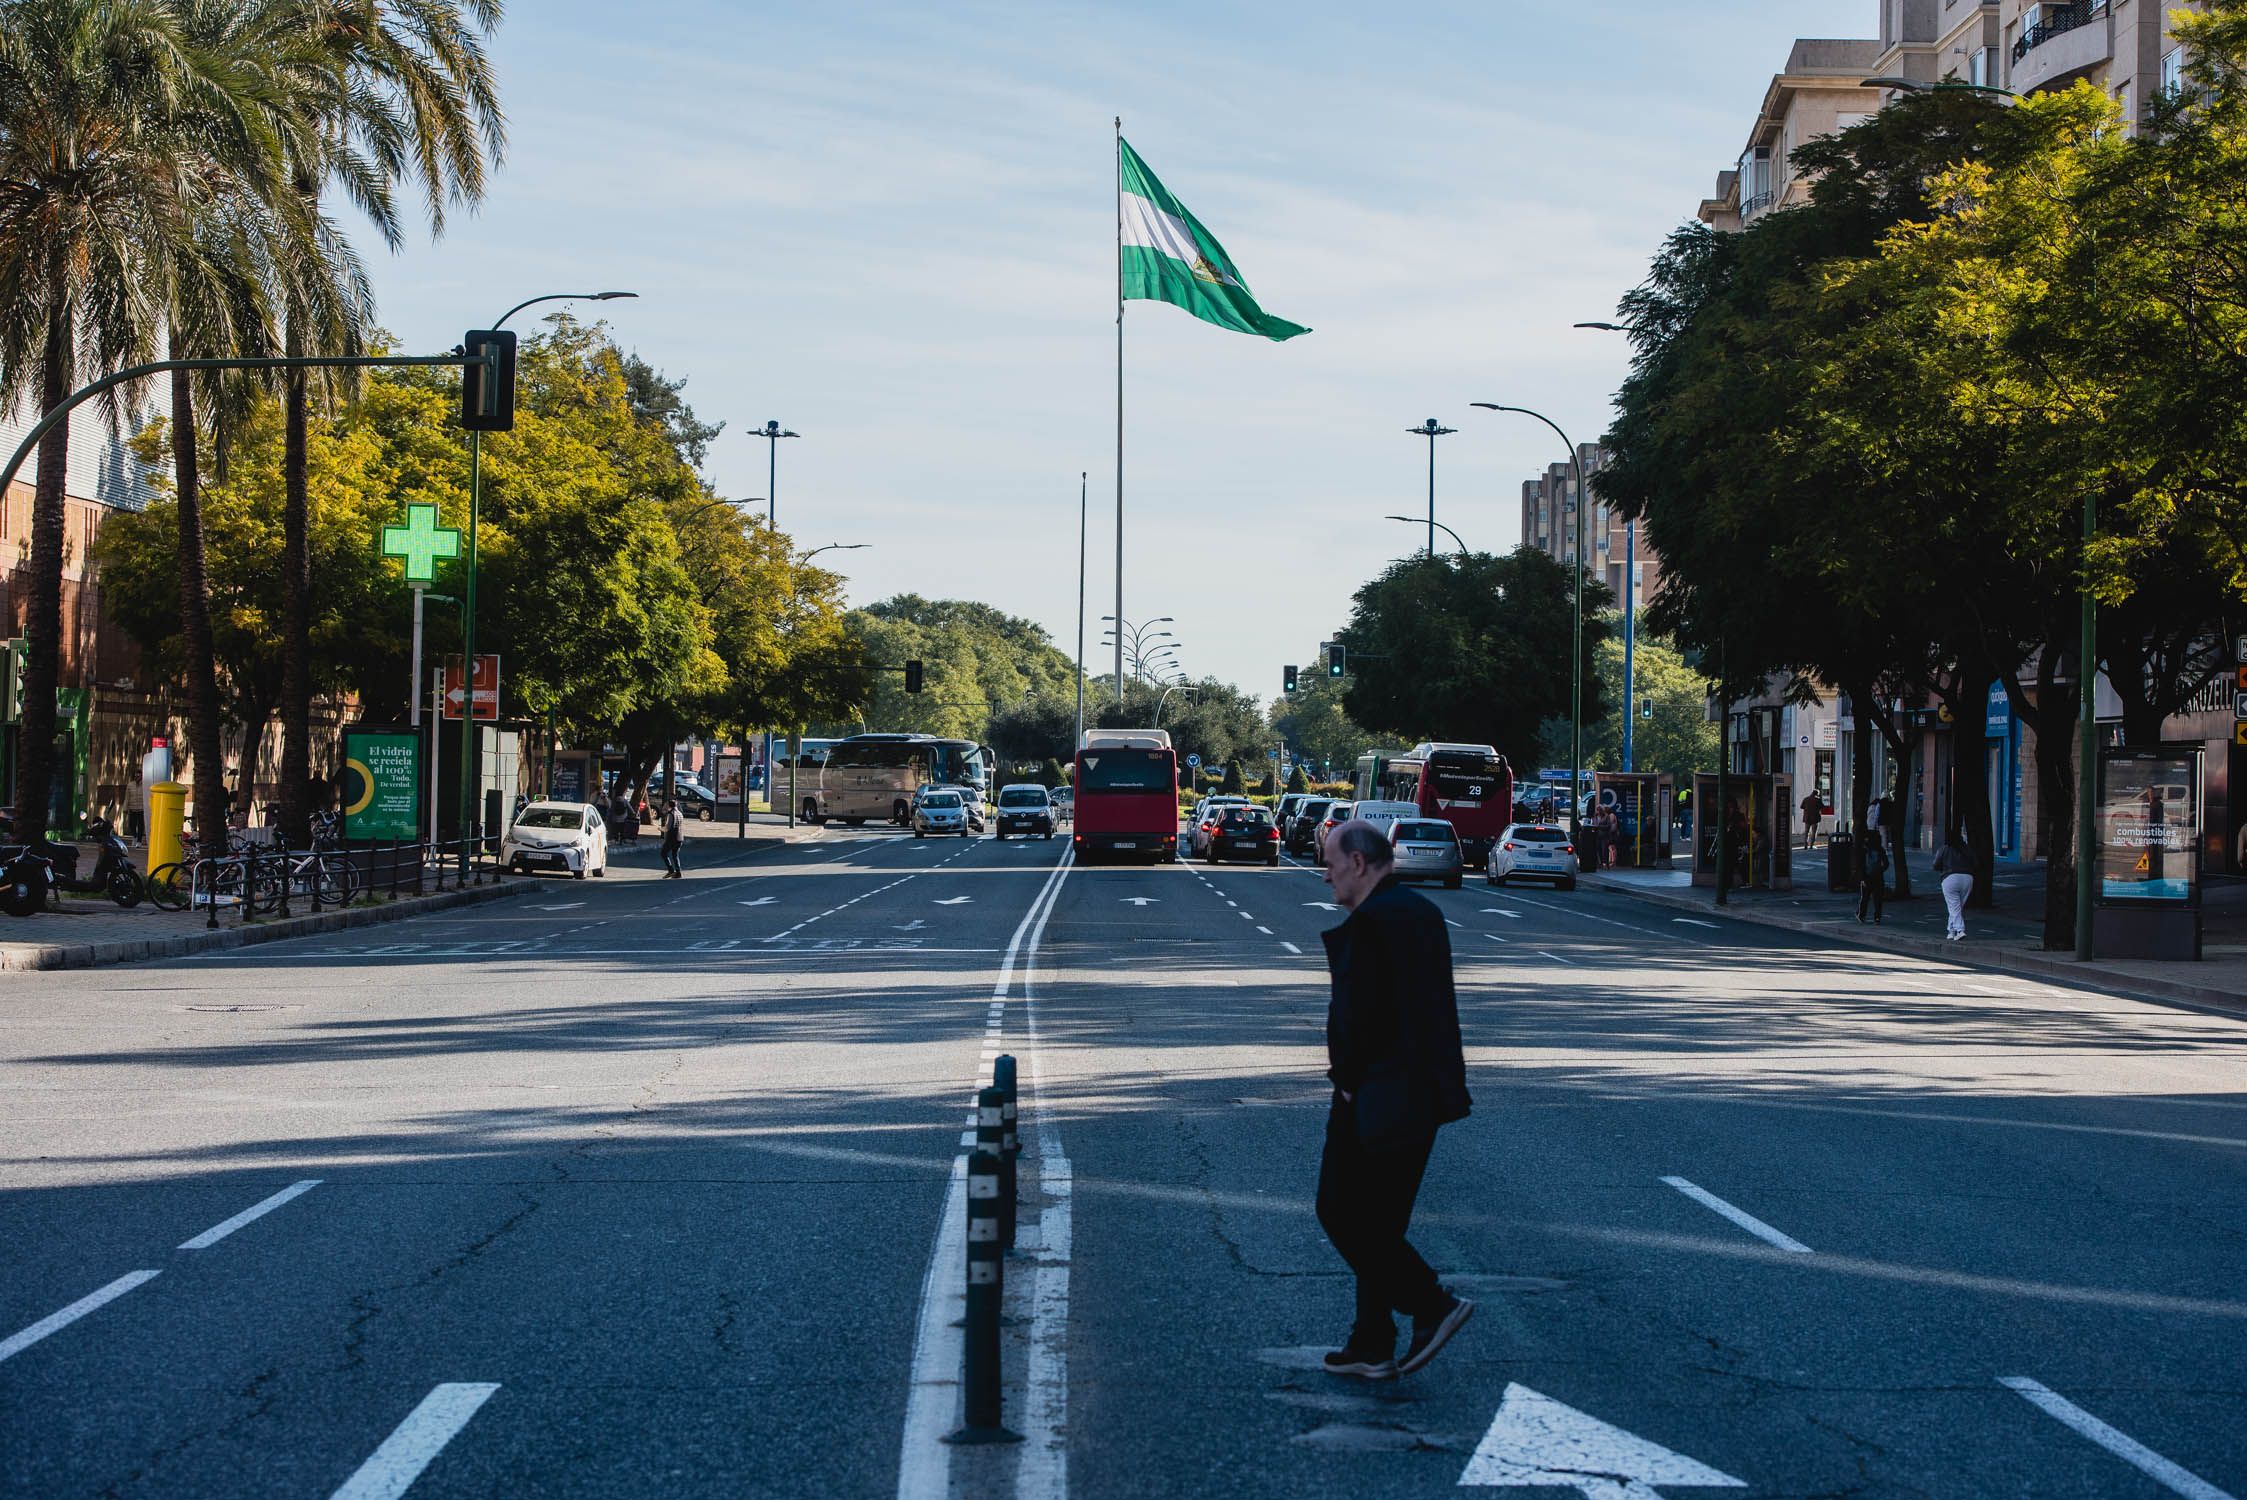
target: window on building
<point>2173,72</point>
<point>1981,67</point>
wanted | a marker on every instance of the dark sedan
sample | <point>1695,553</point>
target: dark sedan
<point>1244,833</point>
<point>1302,829</point>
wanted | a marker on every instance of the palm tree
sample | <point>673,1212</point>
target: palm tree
<point>417,101</point>
<point>114,124</point>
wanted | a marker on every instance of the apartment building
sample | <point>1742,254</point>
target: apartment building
<point>1821,90</point>
<point>2127,47</point>
<point>1619,556</point>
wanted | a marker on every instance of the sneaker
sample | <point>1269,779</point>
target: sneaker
<point>1431,1334</point>
<point>1363,1360</point>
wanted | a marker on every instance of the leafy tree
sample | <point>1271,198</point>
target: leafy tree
<point>1042,726</point>
<point>1316,727</point>
<point>1233,782</point>
<point>117,129</point>
<point>1472,648</point>
<point>1295,779</point>
<point>1678,739</point>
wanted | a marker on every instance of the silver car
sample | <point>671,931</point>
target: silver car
<point>939,812</point>
<point>1427,849</point>
<point>1532,851</point>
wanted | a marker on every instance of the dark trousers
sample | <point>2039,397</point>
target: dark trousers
<point>671,857</point>
<point>1873,890</point>
<point>1365,1206</point>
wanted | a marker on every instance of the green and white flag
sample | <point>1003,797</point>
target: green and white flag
<point>1167,256</point>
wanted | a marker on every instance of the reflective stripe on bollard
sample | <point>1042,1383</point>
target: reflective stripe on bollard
<point>1010,1147</point>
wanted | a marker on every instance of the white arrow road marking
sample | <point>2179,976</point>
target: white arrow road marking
<point>562,906</point>
<point>1695,922</point>
<point>956,901</point>
<point>1142,900</point>
<point>913,926</point>
<point>760,901</point>
<point>2132,1452</point>
<point>1536,1441</point>
<point>1323,905</point>
<point>1502,912</point>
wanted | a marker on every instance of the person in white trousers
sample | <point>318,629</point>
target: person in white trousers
<point>1956,867</point>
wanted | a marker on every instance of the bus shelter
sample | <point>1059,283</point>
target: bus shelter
<point>1759,808</point>
<point>1644,804</point>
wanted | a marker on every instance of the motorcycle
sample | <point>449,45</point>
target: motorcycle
<point>24,878</point>
<point>113,874</point>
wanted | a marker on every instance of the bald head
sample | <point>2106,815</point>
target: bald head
<point>1362,839</point>
<point>1358,859</point>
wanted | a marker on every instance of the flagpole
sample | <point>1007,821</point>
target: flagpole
<point>1119,415</point>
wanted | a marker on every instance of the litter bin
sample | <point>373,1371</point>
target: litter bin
<point>167,816</point>
<point>1841,861</point>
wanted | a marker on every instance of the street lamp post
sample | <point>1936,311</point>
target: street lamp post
<point>1134,640</point>
<point>772,432</point>
<point>1576,654</point>
<point>1447,531</point>
<point>1431,430</point>
<point>1630,603</point>
<point>468,769</point>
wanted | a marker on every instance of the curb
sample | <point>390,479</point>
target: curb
<point>2026,962</point>
<point>204,940</point>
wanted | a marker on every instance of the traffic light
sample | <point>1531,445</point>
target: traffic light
<point>487,392</point>
<point>1287,679</point>
<point>913,677</point>
<point>1337,660</point>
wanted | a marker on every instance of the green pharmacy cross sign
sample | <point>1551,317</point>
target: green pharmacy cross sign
<point>420,543</point>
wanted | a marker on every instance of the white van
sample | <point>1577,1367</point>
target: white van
<point>1384,815</point>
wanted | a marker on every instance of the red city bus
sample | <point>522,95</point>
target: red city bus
<point>1468,786</point>
<point>1127,795</point>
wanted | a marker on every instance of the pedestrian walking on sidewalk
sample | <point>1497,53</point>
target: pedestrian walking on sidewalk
<point>1813,808</point>
<point>1872,873</point>
<point>1956,866</point>
<point>1399,1073</point>
<point>674,833</point>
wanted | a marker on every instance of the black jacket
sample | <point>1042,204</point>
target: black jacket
<point>1392,1022</point>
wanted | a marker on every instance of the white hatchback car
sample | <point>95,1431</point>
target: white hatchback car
<point>561,836</point>
<point>1532,851</point>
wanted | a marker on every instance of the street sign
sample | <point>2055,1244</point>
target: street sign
<point>487,688</point>
<point>2239,733</point>
<point>420,543</point>
<point>2239,650</point>
<point>381,784</point>
<point>1194,761</point>
<point>2239,705</point>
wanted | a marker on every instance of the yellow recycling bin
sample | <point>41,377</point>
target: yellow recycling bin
<point>167,816</point>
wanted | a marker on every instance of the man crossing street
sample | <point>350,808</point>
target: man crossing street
<point>1399,1072</point>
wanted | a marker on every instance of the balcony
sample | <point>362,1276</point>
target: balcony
<point>1750,207</point>
<point>2067,39</point>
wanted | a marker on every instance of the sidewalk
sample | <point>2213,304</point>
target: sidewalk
<point>2007,938</point>
<point>84,933</point>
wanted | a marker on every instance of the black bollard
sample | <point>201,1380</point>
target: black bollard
<point>1010,1147</point>
<point>986,1289</point>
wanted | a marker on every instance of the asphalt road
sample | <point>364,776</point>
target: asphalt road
<point>643,1188</point>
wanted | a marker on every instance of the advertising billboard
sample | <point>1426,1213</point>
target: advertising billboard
<point>2149,817</point>
<point>381,784</point>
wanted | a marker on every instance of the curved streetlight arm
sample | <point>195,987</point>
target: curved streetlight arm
<point>1423,520</point>
<point>833,547</point>
<point>562,297</point>
<point>1576,662</point>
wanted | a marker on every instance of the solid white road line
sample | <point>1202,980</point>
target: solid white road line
<point>924,1465</point>
<point>2132,1452</point>
<point>1696,922</point>
<point>16,1343</point>
<point>392,1468</point>
<point>1043,1471</point>
<point>1739,1216</point>
<point>258,1210</point>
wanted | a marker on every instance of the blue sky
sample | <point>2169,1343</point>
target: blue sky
<point>891,228</point>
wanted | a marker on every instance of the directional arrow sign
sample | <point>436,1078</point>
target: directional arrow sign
<point>1142,900</point>
<point>956,901</point>
<point>1324,905</point>
<point>761,901</point>
<point>1534,1440</point>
